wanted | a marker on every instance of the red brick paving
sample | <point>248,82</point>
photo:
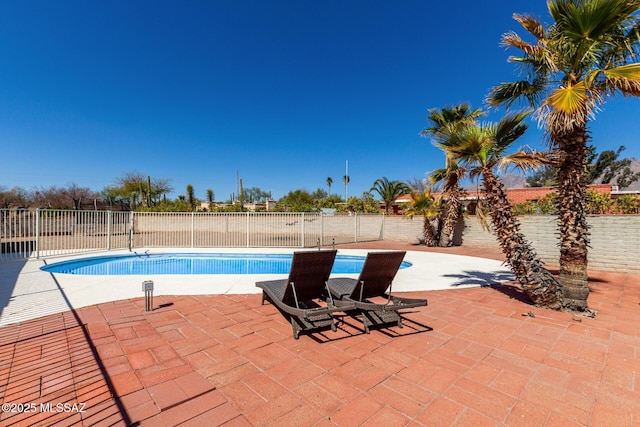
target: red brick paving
<point>472,357</point>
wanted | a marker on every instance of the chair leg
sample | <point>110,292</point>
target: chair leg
<point>365,322</point>
<point>296,329</point>
<point>262,302</point>
<point>299,324</point>
<point>380,317</point>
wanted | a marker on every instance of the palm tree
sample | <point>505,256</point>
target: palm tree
<point>424,204</point>
<point>584,56</point>
<point>389,191</point>
<point>443,122</point>
<point>329,182</point>
<point>191,200</point>
<point>450,177</point>
<point>210,197</point>
<point>480,149</point>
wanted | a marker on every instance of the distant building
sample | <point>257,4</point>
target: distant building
<point>268,205</point>
<point>515,195</point>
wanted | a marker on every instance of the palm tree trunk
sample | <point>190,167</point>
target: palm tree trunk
<point>451,216</point>
<point>572,219</point>
<point>429,236</point>
<point>539,285</point>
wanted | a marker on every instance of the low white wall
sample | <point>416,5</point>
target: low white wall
<point>615,239</point>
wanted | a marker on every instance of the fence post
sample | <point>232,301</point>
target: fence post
<point>193,226</point>
<point>355,227</point>
<point>302,231</point>
<point>131,222</point>
<point>37,248</point>
<point>109,228</point>
<point>248,227</point>
<point>321,228</point>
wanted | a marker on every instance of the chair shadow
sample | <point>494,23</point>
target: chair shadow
<point>351,326</point>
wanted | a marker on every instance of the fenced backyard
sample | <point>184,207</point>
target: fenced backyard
<point>43,232</point>
<point>614,241</point>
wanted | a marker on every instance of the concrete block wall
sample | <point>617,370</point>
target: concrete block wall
<point>403,228</point>
<point>615,243</point>
<point>615,239</point>
<point>541,231</point>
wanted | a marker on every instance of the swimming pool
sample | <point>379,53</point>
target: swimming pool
<point>194,263</point>
<point>37,293</point>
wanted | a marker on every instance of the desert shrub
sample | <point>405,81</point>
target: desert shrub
<point>166,206</point>
<point>627,204</point>
<point>525,208</point>
<point>548,205</point>
<point>545,206</point>
<point>598,203</point>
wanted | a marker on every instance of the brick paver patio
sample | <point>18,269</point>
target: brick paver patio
<point>478,356</point>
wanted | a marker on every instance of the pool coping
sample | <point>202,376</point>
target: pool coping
<point>36,293</point>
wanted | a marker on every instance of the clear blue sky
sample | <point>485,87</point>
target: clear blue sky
<point>283,92</point>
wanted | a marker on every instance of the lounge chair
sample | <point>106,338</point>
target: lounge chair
<point>298,296</point>
<point>375,278</point>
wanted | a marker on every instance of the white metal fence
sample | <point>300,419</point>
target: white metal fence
<point>36,233</point>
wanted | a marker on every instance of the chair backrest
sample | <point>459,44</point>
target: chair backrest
<point>377,273</point>
<point>309,272</point>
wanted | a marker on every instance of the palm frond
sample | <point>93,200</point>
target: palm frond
<point>558,122</point>
<point>509,93</point>
<point>634,33</point>
<point>527,160</point>
<point>512,39</point>
<point>570,98</point>
<point>593,32</point>
<point>531,24</point>
<point>625,78</point>
<point>600,18</point>
<point>422,204</point>
<point>628,72</point>
<point>578,60</point>
<point>509,129</point>
<point>482,214</point>
<point>591,78</point>
<point>627,87</point>
<point>468,145</point>
<point>438,176</point>
<point>444,119</point>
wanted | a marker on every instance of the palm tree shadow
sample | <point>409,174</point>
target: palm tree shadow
<point>513,291</point>
<point>480,278</point>
<point>501,281</point>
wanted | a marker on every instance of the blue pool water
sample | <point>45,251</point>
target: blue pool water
<point>188,263</point>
